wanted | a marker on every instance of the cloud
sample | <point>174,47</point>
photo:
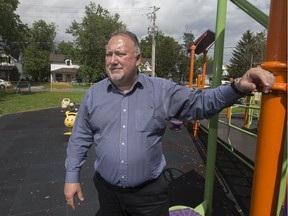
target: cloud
<point>174,18</point>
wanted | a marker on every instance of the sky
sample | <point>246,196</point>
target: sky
<point>173,17</point>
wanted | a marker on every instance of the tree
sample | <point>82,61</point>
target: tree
<point>36,65</point>
<point>68,49</point>
<point>166,56</point>
<point>12,30</point>
<point>249,50</point>
<point>188,39</point>
<point>261,43</point>
<point>36,54</point>
<point>168,52</point>
<point>14,74</point>
<point>42,35</point>
<point>91,36</point>
<point>184,67</point>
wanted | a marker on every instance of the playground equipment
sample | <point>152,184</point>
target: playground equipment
<point>176,124</point>
<point>70,112</point>
<point>69,121</point>
<point>67,105</point>
<point>270,174</point>
<point>182,211</point>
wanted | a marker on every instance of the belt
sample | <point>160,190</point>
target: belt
<point>122,188</point>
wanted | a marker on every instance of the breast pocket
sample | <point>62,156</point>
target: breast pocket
<point>148,120</point>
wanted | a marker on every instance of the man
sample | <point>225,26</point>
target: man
<point>124,116</point>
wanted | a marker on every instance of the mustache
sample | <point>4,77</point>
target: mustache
<point>113,68</point>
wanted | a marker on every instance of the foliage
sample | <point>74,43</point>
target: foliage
<point>172,59</point>
<point>248,52</point>
<point>185,58</point>
<point>198,65</point>
<point>91,36</point>
<point>188,39</point>
<point>166,56</point>
<point>42,35</point>
<point>184,68</point>
<point>68,49</point>
<point>36,65</point>
<point>12,30</point>
<point>14,74</point>
<point>36,54</point>
<point>168,52</point>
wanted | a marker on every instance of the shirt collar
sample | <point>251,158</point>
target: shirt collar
<point>139,83</point>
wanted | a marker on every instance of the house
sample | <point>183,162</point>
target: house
<point>209,74</point>
<point>8,62</point>
<point>62,69</point>
<point>146,66</point>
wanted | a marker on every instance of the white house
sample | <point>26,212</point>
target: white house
<point>209,75</point>
<point>7,63</point>
<point>145,66</point>
<point>62,69</point>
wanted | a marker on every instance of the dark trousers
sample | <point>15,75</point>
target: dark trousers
<point>150,199</point>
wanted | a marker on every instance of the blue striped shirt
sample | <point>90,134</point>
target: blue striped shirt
<point>127,129</point>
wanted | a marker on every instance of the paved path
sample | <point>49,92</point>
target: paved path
<point>32,155</point>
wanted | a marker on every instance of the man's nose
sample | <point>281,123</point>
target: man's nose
<point>113,58</point>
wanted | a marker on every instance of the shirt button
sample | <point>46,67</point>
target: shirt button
<point>124,126</point>
<point>124,110</point>
<point>122,177</point>
<point>122,143</point>
<point>122,161</point>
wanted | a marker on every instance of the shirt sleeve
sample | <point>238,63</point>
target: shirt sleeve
<point>79,143</point>
<point>202,104</point>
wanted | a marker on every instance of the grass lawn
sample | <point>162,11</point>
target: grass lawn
<point>10,102</point>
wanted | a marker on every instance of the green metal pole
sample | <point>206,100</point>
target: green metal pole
<point>213,124</point>
<point>283,182</point>
<point>252,11</point>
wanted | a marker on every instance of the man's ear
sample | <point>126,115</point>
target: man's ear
<point>138,59</point>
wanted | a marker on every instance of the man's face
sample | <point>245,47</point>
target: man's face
<point>121,60</point>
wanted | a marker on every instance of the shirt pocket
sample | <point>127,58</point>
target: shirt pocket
<point>148,120</point>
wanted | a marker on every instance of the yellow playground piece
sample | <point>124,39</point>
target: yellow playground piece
<point>69,121</point>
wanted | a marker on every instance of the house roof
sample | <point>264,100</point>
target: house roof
<point>144,60</point>
<point>59,58</point>
<point>65,70</point>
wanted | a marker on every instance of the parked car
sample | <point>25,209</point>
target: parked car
<point>5,84</point>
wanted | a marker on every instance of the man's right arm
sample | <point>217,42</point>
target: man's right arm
<point>79,143</point>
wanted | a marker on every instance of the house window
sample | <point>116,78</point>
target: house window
<point>68,62</point>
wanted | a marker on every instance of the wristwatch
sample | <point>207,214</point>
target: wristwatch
<point>235,87</point>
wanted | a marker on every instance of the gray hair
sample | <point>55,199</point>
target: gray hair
<point>132,36</point>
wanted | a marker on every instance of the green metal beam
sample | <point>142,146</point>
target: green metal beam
<point>213,125</point>
<point>252,11</point>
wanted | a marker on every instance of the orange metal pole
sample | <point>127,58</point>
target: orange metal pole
<point>193,47</point>
<point>195,128</point>
<point>272,123</point>
<point>204,67</point>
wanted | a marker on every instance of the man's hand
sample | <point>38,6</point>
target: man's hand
<point>256,78</point>
<point>71,189</point>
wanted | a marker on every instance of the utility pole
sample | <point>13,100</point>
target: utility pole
<point>153,31</point>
